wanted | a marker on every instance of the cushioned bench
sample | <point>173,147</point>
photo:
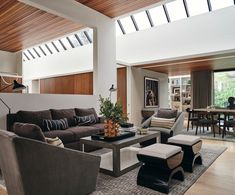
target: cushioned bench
<point>161,162</point>
<point>191,145</point>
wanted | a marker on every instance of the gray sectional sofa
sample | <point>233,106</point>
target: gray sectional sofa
<point>70,136</point>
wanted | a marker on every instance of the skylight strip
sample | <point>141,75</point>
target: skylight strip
<point>30,53</point>
<point>78,39</point>
<point>166,13</point>
<point>134,22</point>
<point>121,27</point>
<point>55,46</point>
<point>70,42</point>
<point>42,50</point>
<point>149,18</point>
<point>62,44</point>
<point>26,55</point>
<point>48,49</point>
<point>36,52</point>
<point>186,8</point>
<point>87,36</point>
<point>209,5</point>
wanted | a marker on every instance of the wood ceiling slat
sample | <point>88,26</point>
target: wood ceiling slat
<point>114,8</point>
<point>23,26</point>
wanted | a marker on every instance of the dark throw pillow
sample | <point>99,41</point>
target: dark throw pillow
<point>60,124</point>
<point>166,113</point>
<point>85,120</point>
<point>86,112</point>
<point>28,130</point>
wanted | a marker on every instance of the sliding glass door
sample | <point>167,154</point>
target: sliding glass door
<point>224,87</point>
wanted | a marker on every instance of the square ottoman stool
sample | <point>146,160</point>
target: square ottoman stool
<point>161,162</point>
<point>191,145</point>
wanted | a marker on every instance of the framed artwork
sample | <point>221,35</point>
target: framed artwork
<point>151,94</point>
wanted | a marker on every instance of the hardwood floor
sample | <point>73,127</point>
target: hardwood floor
<point>219,179</point>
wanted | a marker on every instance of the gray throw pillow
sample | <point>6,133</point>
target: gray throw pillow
<point>28,130</point>
<point>166,113</point>
<point>85,120</point>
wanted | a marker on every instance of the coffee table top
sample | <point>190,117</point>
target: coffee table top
<point>121,143</point>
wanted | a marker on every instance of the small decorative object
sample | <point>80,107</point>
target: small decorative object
<point>113,116</point>
<point>151,92</point>
<point>143,131</point>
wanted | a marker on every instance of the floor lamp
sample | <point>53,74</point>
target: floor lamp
<point>16,87</point>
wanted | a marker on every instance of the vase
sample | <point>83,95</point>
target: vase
<point>111,128</point>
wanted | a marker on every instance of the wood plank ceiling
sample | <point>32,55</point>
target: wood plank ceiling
<point>23,26</point>
<point>186,66</point>
<point>114,8</point>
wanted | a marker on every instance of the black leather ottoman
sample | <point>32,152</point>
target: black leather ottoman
<point>191,145</point>
<point>161,163</point>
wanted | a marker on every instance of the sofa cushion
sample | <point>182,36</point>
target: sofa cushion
<point>163,151</point>
<point>83,131</point>
<point>65,135</point>
<point>184,139</point>
<point>62,113</point>
<point>60,124</point>
<point>28,130</point>
<point>85,120</point>
<point>99,126</point>
<point>166,113</point>
<point>34,117</point>
<point>162,122</point>
<point>86,112</point>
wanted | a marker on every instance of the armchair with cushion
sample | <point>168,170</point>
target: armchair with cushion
<point>35,167</point>
<point>165,125</point>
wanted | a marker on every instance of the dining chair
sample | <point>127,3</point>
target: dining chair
<point>192,117</point>
<point>206,119</point>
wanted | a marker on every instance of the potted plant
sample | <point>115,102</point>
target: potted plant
<point>112,113</point>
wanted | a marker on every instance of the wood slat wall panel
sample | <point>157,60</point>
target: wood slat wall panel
<point>114,8</point>
<point>122,87</point>
<point>23,26</point>
<point>71,84</point>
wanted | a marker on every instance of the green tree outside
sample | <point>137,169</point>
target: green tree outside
<point>224,87</point>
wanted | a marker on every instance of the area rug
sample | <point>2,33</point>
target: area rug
<point>126,184</point>
<point>208,135</point>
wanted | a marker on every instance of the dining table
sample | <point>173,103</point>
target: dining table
<point>218,111</point>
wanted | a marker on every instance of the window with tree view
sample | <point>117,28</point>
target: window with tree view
<point>224,87</point>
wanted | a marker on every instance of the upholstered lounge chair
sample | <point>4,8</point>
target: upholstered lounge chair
<point>32,167</point>
<point>166,132</point>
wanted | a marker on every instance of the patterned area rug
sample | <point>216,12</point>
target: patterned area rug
<point>126,184</point>
<point>208,135</point>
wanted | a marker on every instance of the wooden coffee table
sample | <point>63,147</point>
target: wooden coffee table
<point>119,147</point>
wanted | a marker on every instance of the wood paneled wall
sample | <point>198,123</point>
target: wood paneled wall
<point>122,88</point>
<point>9,80</point>
<point>83,84</point>
<point>71,84</point>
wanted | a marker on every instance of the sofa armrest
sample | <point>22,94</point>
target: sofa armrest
<point>179,124</point>
<point>58,170</point>
<point>147,122</point>
<point>101,119</point>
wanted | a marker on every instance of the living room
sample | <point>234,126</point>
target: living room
<point>120,55</point>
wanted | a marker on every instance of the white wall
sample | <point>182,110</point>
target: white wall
<point>194,36</point>
<point>104,37</point>
<point>8,62</point>
<point>36,102</point>
<point>75,60</point>
<point>135,92</point>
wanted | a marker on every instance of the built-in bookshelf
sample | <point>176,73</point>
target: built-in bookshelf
<point>180,92</point>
